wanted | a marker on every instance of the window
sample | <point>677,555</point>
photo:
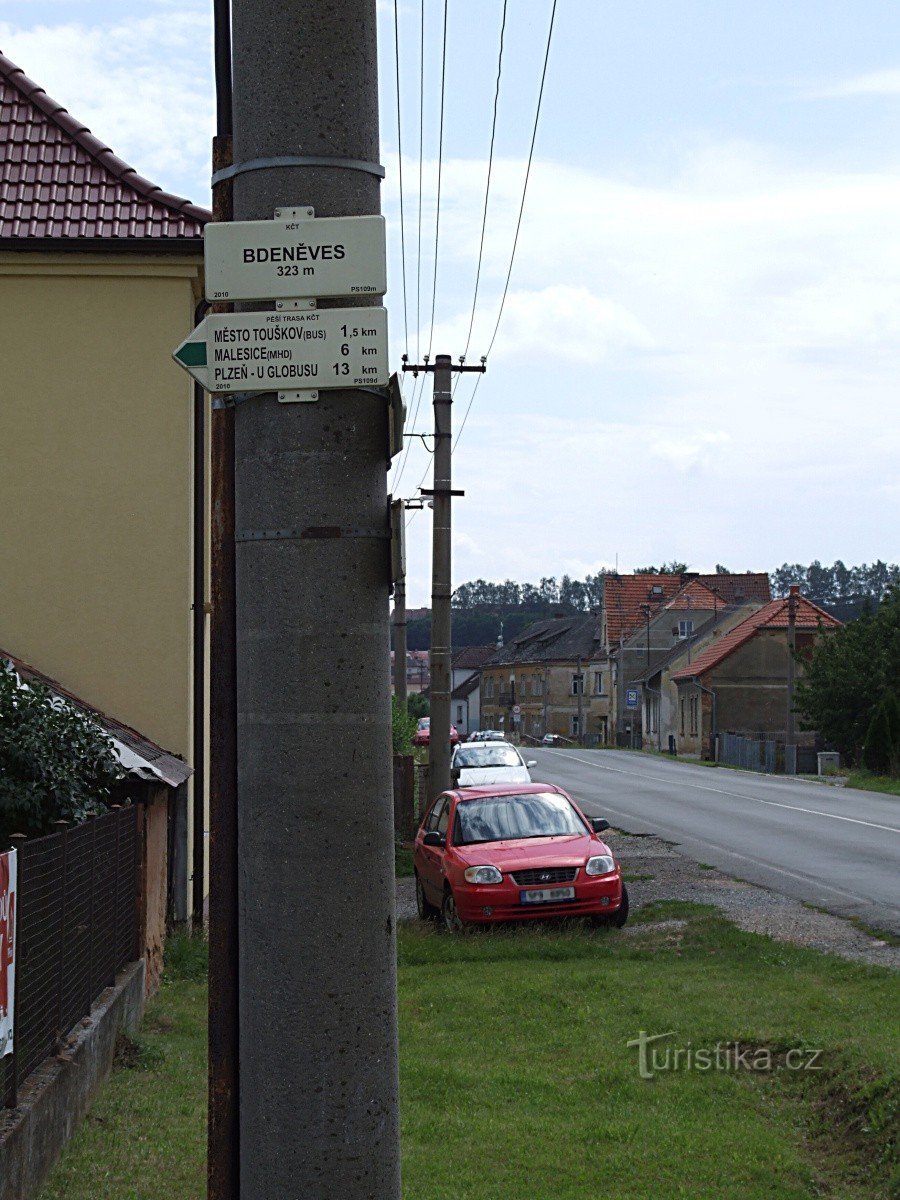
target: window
<point>537,685</point>
<point>432,818</point>
<point>682,718</point>
<point>694,707</point>
<point>578,685</point>
<point>459,714</point>
<point>598,684</point>
<point>444,817</point>
<point>575,729</point>
<point>685,629</point>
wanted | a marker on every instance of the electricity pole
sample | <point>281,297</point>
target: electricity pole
<point>318,1014</point>
<point>441,589</point>
<point>400,642</point>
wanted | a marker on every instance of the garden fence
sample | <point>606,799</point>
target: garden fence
<point>77,926</point>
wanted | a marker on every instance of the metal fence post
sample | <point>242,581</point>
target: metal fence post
<point>115,929</point>
<point>62,829</point>
<point>90,975</point>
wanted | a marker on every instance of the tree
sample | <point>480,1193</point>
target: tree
<point>56,762</point>
<point>878,751</point>
<point>848,676</point>
<point>418,705</point>
<point>672,568</point>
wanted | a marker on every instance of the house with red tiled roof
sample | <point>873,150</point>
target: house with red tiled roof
<point>738,683</point>
<point>646,615</point>
<point>102,493</point>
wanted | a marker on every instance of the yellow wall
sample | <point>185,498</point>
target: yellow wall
<point>96,425</point>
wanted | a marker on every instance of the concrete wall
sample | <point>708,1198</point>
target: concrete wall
<point>95,493</point>
<point>56,1097</point>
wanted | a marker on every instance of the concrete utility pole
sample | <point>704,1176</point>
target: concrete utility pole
<point>318,1015</point>
<point>441,588</point>
<point>400,642</point>
<point>790,748</point>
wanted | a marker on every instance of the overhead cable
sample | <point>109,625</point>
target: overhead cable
<point>400,171</point>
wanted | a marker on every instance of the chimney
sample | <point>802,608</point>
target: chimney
<point>795,589</point>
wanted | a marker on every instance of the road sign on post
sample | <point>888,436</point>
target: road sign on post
<point>295,255</point>
<point>632,698</point>
<point>307,349</point>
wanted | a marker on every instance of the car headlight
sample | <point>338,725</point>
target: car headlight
<point>483,875</point>
<point>601,864</point>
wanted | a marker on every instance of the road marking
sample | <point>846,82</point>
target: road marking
<point>721,792</point>
<point>687,839</point>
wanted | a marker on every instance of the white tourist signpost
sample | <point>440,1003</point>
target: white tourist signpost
<point>295,255</point>
<point>303,350</point>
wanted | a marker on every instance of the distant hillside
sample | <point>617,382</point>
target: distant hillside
<point>480,606</point>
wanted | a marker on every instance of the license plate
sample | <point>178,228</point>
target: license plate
<point>547,895</point>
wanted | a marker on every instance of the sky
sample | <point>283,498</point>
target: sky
<point>698,356</point>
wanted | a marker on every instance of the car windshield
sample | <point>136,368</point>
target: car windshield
<point>424,722</point>
<point>500,818</point>
<point>487,756</point>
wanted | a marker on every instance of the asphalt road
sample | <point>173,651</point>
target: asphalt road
<point>836,848</point>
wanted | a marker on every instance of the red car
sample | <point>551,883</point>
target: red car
<point>423,733</point>
<point>515,853</point>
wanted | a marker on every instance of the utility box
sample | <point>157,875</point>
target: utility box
<point>829,761</point>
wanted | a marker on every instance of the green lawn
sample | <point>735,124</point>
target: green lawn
<point>517,1083</point>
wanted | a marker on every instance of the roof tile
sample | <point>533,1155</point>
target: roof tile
<point>58,180</point>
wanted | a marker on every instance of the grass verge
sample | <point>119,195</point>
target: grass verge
<point>145,1137</point>
<point>517,1080</point>
<point>867,782</point>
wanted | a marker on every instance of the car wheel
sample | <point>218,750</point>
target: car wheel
<point>449,915</point>
<point>617,919</point>
<point>425,909</point>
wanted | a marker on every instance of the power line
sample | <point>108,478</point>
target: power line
<point>400,170</point>
<point>537,115</point>
<point>437,219</point>
<point>421,153</point>
<point>487,190</point>
<point>414,405</point>
<point>468,410</point>
<point>512,257</point>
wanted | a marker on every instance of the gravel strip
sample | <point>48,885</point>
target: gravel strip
<point>756,909</point>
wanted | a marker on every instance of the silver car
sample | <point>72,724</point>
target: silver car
<point>484,763</point>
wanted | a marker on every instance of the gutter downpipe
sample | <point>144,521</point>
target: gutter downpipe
<point>199,610</point>
<point>714,731</point>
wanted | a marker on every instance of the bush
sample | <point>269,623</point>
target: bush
<point>56,763</point>
<point>403,726</point>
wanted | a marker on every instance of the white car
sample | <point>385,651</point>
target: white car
<point>483,763</point>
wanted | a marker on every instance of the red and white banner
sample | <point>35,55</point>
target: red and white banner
<point>7,949</point>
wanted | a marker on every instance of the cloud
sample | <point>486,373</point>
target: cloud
<point>873,83</point>
<point>142,85</point>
